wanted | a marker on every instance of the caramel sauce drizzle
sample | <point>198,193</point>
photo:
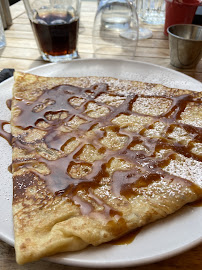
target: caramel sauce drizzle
<point>126,239</point>
<point>9,103</point>
<point>4,134</point>
<point>197,203</point>
<point>60,183</point>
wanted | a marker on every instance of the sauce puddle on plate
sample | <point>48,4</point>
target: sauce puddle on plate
<point>196,203</point>
<point>125,239</point>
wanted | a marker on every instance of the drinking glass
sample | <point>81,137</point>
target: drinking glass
<point>152,11</point>
<point>144,32</point>
<point>55,24</point>
<point>115,29</point>
<point>2,35</point>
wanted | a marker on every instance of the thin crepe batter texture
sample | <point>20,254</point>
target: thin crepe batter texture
<point>96,157</point>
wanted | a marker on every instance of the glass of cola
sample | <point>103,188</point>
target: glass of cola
<point>55,24</point>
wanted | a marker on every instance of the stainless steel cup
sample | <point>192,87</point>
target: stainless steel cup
<point>185,43</point>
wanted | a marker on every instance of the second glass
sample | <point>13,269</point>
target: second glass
<point>152,11</point>
<point>55,24</point>
<point>115,30</point>
<point>2,35</point>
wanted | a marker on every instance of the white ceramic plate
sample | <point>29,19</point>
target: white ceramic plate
<point>156,241</point>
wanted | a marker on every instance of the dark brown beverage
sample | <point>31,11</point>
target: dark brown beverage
<point>56,33</point>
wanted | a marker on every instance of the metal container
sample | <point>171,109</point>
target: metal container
<point>185,43</point>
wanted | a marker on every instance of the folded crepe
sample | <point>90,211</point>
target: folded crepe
<point>97,157</point>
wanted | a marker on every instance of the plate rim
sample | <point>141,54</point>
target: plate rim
<point>123,264</point>
<point>128,263</point>
<point>118,60</point>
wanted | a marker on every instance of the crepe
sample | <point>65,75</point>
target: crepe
<point>96,157</point>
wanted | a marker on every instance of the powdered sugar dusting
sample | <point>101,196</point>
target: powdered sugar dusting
<point>192,115</point>
<point>187,168</point>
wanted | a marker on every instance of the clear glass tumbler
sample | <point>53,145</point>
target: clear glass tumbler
<point>55,24</point>
<point>2,35</point>
<point>152,11</point>
<point>116,29</point>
